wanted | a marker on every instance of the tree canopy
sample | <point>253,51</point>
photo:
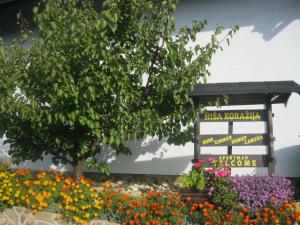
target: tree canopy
<point>96,76</point>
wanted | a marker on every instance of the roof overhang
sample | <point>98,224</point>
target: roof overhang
<point>245,93</point>
<point>6,1</point>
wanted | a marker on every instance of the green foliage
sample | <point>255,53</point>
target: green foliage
<point>195,179</point>
<point>99,77</point>
<point>222,194</point>
<point>100,167</point>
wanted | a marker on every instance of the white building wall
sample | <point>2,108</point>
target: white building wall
<point>266,48</point>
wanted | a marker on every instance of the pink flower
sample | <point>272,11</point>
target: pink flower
<point>210,170</point>
<point>227,170</point>
<point>197,165</point>
<point>211,159</point>
<point>220,173</point>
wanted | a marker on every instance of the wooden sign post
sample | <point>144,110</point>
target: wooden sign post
<point>230,139</point>
<point>264,93</point>
<point>269,126</point>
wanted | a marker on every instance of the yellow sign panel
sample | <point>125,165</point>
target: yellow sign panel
<point>232,139</point>
<point>233,115</point>
<point>237,161</point>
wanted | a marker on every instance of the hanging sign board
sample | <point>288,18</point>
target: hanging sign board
<point>230,139</point>
<point>239,160</point>
<point>233,139</point>
<point>233,115</point>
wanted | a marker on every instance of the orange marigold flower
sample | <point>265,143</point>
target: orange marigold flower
<point>21,172</point>
<point>211,206</point>
<point>246,220</point>
<point>41,175</point>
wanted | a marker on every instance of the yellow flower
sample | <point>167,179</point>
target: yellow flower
<point>96,195</point>
<point>44,204</point>
<point>36,182</point>
<point>87,215</point>
<point>76,219</point>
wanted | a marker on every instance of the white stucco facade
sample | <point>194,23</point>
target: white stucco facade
<point>266,48</point>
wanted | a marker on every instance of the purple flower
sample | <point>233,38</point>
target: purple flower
<point>256,191</point>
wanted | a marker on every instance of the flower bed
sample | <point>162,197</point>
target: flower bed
<point>79,202</point>
<point>155,208</point>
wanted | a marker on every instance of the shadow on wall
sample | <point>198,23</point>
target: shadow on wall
<point>268,17</point>
<point>152,153</point>
<point>4,157</point>
<point>288,159</point>
<point>38,165</point>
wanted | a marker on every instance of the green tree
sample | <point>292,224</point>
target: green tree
<point>100,76</point>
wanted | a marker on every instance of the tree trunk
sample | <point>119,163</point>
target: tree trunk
<point>78,169</point>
